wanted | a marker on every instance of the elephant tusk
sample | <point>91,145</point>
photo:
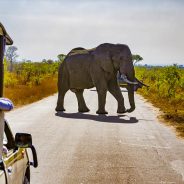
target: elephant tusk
<point>124,77</point>
<point>140,83</point>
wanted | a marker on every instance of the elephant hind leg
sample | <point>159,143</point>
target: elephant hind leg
<point>81,102</point>
<point>60,101</point>
<point>63,87</point>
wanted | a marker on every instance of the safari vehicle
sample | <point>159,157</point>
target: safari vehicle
<point>14,163</point>
<point>14,159</point>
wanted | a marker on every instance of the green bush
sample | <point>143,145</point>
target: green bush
<point>167,82</point>
<point>29,73</point>
<point>166,91</point>
<point>29,82</point>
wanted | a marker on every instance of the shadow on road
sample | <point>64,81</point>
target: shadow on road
<point>100,118</point>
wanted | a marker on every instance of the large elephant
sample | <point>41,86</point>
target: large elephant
<point>84,69</point>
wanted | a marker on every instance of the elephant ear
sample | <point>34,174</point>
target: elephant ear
<point>104,60</point>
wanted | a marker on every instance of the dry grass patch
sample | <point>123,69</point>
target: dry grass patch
<point>170,115</point>
<point>25,94</point>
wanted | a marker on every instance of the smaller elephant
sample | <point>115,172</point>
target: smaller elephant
<point>98,67</point>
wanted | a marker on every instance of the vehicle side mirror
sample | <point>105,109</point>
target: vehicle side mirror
<point>24,140</point>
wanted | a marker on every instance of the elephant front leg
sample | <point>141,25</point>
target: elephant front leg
<point>100,83</point>
<point>131,98</point>
<point>114,89</point>
<point>81,102</point>
<point>101,101</point>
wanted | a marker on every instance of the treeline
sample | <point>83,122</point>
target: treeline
<point>29,73</point>
<point>166,91</point>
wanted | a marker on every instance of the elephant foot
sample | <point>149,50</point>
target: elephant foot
<point>59,109</point>
<point>84,110</point>
<point>121,111</point>
<point>130,110</point>
<point>101,112</point>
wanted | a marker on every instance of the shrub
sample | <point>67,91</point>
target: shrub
<point>30,81</point>
<point>166,91</point>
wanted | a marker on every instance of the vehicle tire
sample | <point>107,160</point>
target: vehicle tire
<point>26,180</point>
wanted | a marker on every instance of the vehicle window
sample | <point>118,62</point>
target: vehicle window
<point>8,140</point>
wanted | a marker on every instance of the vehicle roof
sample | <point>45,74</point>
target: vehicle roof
<point>3,32</point>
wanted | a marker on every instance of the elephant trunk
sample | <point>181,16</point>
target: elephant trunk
<point>140,84</point>
<point>129,77</point>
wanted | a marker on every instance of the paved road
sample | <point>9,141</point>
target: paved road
<point>76,148</point>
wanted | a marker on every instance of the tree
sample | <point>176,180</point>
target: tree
<point>49,61</point>
<point>11,56</point>
<point>44,61</point>
<point>136,58</point>
<point>61,57</point>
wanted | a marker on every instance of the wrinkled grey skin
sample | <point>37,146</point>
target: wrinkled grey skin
<point>84,69</point>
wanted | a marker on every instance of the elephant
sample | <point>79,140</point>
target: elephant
<point>98,67</point>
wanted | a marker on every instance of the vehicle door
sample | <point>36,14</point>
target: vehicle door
<point>14,158</point>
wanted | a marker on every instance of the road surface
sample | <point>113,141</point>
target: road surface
<point>75,148</point>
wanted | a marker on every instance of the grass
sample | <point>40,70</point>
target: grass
<point>30,81</point>
<point>170,115</point>
<point>168,96</point>
<point>25,94</point>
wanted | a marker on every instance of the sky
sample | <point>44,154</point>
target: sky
<point>42,29</point>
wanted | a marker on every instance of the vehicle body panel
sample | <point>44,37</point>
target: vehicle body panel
<point>2,177</point>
